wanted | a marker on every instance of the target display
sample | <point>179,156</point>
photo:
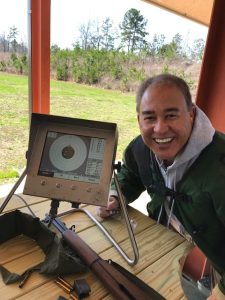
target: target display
<point>72,157</point>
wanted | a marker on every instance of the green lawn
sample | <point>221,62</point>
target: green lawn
<point>67,99</point>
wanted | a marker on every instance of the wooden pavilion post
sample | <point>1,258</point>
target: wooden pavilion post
<point>39,78</point>
<point>211,88</point>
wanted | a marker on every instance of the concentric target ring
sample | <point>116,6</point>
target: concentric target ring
<point>67,153</point>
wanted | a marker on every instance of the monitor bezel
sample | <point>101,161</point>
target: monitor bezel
<point>66,189</point>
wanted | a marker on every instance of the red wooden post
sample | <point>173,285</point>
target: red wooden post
<point>40,56</point>
<point>211,88</point>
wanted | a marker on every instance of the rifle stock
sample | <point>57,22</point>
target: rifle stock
<point>122,284</point>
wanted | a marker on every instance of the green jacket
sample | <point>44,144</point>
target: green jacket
<point>199,197</point>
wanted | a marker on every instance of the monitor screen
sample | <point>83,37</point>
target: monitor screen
<point>72,157</point>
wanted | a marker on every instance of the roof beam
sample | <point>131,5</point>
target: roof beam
<point>196,10</point>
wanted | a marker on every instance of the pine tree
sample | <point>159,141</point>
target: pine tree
<point>133,30</point>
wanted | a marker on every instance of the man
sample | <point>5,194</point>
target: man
<point>179,159</point>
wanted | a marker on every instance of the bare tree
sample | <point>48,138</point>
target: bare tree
<point>108,34</point>
<point>3,43</point>
<point>86,35</point>
<point>12,38</point>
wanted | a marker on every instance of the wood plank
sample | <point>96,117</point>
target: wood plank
<point>164,274</point>
<point>159,249</point>
<point>153,243</point>
<point>41,206</point>
<point>36,279</point>
<point>38,284</point>
<point>50,291</point>
<point>16,203</point>
<point>20,246</point>
<point>116,227</point>
<point>17,247</point>
<point>18,266</point>
<point>47,291</point>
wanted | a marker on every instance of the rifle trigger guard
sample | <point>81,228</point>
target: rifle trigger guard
<point>72,228</point>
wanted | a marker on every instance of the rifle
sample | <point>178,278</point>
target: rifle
<point>122,284</point>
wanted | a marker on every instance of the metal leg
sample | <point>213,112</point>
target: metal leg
<point>127,220</point>
<point>14,188</point>
<point>108,235</point>
<point>130,261</point>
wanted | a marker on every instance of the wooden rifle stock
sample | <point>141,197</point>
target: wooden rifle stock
<point>122,284</point>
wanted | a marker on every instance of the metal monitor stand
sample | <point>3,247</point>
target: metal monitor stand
<point>130,261</point>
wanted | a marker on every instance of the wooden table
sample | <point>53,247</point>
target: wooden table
<point>161,251</point>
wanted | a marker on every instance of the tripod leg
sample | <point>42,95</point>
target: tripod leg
<point>14,188</point>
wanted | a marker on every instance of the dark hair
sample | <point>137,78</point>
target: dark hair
<point>164,79</point>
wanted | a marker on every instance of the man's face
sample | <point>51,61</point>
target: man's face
<point>164,120</point>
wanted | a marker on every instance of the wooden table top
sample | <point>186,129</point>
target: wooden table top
<point>161,252</point>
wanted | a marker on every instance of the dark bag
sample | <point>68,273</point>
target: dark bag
<point>59,259</point>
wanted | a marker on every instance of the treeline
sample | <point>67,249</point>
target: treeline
<point>13,56</point>
<point>9,42</point>
<point>110,69</point>
<point>104,54</point>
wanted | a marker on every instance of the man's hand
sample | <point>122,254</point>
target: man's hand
<point>111,209</point>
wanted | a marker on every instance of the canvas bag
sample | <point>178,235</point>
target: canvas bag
<point>59,259</point>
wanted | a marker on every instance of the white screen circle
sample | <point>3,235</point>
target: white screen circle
<point>78,153</point>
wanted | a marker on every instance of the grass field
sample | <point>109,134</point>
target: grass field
<point>67,99</point>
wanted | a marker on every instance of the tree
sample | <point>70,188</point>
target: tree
<point>177,44</point>
<point>173,49</point>
<point>19,62</point>
<point>133,30</point>
<point>3,43</point>
<point>108,35</point>
<point>12,38</point>
<point>54,49</point>
<point>198,49</point>
<point>95,36</point>
<point>85,35</point>
<point>22,47</point>
<point>156,44</point>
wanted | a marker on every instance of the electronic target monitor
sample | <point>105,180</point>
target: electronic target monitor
<point>70,159</point>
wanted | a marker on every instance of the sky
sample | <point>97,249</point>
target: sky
<point>68,15</point>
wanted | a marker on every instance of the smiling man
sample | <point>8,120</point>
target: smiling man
<point>179,159</point>
<point>165,118</point>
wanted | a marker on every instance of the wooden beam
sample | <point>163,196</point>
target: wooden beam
<point>211,88</point>
<point>40,56</point>
<point>196,10</point>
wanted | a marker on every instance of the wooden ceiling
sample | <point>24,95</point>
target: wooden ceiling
<point>196,10</point>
